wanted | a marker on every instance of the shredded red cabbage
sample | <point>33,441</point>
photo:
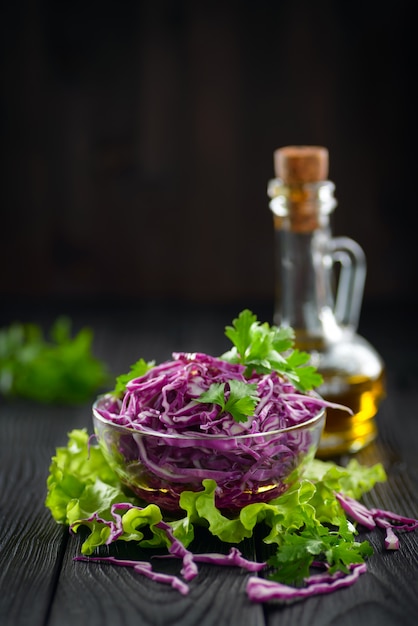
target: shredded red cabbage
<point>233,558</point>
<point>164,399</point>
<point>174,441</point>
<point>370,518</point>
<point>141,567</point>
<point>262,590</point>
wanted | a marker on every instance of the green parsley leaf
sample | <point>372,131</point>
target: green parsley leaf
<point>58,370</point>
<point>242,400</point>
<point>241,332</point>
<point>138,369</point>
<point>240,403</point>
<point>293,560</point>
<point>214,395</point>
<point>297,552</point>
<point>263,348</point>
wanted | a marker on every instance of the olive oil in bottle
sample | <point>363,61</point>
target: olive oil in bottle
<point>319,291</point>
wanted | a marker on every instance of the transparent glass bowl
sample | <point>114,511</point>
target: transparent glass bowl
<point>247,468</point>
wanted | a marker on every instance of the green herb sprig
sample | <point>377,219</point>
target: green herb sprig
<point>241,402</point>
<point>263,348</point>
<point>60,369</point>
<point>139,368</point>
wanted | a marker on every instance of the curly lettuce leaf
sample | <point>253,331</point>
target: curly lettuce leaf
<point>73,470</point>
<point>353,480</point>
<point>306,523</point>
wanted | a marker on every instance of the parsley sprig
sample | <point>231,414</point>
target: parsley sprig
<point>334,545</point>
<point>57,368</point>
<point>139,368</point>
<point>240,403</point>
<point>263,348</point>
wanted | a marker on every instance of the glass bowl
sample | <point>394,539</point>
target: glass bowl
<point>247,468</point>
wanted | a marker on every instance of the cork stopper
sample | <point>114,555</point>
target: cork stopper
<point>301,164</point>
<point>300,171</point>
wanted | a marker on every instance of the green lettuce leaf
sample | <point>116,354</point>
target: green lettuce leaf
<point>306,523</point>
<point>77,475</point>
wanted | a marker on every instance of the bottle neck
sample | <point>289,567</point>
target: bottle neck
<point>304,292</point>
<point>303,207</point>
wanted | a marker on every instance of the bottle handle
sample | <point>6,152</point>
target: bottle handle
<point>351,280</point>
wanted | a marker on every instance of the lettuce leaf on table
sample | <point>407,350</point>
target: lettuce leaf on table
<point>306,523</point>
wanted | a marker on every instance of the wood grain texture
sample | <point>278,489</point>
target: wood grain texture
<point>31,545</point>
<point>105,594</point>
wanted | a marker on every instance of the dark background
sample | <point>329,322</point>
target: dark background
<point>138,141</point>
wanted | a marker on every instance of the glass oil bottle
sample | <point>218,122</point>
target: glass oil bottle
<point>319,292</point>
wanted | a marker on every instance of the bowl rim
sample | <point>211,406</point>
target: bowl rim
<point>321,414</point>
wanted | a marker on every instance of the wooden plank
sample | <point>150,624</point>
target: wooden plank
<point>32,544</point>
<point>99,593</point>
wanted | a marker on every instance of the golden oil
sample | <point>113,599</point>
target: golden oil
<point>344,432</point>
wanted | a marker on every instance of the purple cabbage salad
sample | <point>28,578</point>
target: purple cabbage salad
<point>250,424</point>
<point>165,400</point>
<point>228,444</point>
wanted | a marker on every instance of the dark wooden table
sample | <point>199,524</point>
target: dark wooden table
<point>40,584</point>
